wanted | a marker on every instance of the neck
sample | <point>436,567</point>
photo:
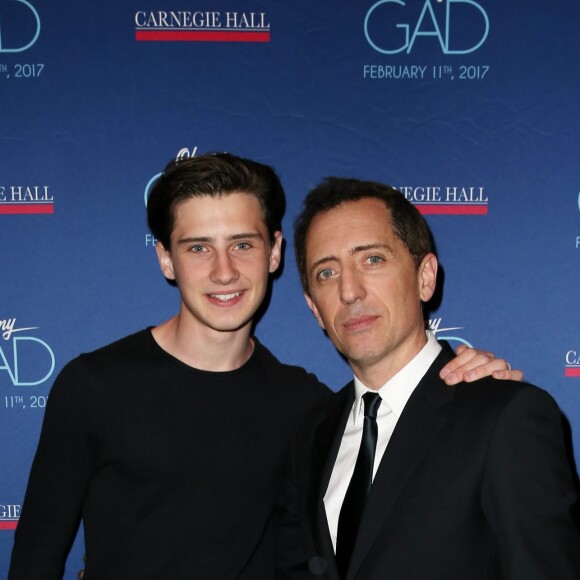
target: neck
<point>204,348</point>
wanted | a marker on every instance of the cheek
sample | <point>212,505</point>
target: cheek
<point>256,265</point>
<point>409,307</point>
<point>256,274</point>
<point>182,273</point>
<point>261,271</point>
<point>331,318</point>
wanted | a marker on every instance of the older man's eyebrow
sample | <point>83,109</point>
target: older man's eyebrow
<point>373,246</point>
<point>355,250</point>
<point>320,262</point>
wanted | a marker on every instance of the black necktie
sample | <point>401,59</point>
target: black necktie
<point>359,486</point>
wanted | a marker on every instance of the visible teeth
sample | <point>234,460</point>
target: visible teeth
<point>225,297</point>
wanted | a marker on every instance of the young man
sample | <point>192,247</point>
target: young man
<point>399,476</point>
<point>169,443</point>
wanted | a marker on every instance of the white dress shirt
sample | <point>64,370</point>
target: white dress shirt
<point>394,394</point>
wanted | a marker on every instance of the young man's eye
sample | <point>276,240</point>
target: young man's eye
<point>243,246</point>
<point>197,248</point>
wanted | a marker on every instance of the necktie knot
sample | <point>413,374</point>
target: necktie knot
<point>372,402</point>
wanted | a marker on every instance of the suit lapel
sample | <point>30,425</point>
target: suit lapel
<point>416,430</point>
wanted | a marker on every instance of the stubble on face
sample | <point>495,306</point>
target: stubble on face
<point>365,290</point>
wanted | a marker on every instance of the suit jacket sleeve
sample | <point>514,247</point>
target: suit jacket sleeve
<point>528,493</point>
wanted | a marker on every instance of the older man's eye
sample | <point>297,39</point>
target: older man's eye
<point>325,274</point>
<point>375,260</point>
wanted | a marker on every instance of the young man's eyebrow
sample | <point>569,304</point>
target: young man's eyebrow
<point>195,239</point>
<point>210,240</point>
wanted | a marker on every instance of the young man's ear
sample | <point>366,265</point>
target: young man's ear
<point>275,253</point>
<point>427,277</point>
<point>165,261</point>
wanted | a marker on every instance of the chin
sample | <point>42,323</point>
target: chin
<point>362,357</point>
<point>232,325</point>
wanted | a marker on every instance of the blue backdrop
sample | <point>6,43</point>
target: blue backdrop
<point>470,107</point>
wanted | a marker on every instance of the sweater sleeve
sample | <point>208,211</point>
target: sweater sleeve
<point>58,480</point>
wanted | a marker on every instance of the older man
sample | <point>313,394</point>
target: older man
<point>400,476</point>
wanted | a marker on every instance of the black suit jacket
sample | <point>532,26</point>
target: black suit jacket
<point>474,484</point>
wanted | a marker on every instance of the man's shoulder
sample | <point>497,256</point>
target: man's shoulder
<point>488,389</point>
<point>291,382</point>
<point>131,342</point>
<point>101,370</point>
<point>497,388</point>
<point>490,393</point>
<point>128,350</point>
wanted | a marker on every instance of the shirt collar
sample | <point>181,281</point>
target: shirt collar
<point>397,390</point>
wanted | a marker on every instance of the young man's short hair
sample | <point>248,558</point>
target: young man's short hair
<point>213,175</point>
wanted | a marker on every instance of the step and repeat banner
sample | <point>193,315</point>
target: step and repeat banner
<point>469,107</point>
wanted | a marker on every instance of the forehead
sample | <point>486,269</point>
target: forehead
<point>224,209</point>
<point>351,223</point>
